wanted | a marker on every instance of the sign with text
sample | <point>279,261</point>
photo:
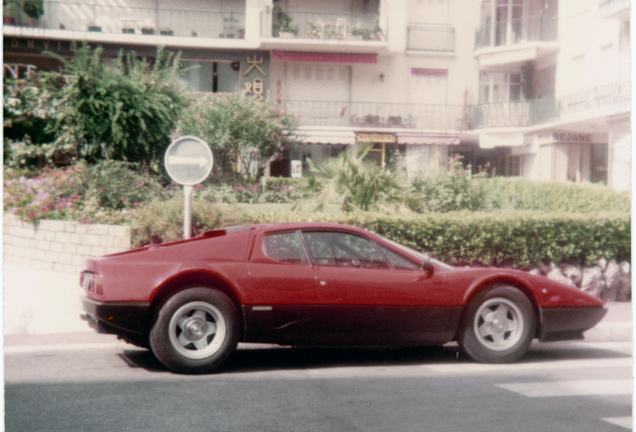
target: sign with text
<point>376,138</point>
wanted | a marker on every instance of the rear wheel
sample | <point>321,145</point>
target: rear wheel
<point>196,331</point>
<point>498,326</point>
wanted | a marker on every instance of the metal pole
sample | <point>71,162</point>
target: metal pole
<point>187,211</point>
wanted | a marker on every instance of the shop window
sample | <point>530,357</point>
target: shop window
<point>598,167</point>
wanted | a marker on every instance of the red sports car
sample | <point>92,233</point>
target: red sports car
<point>316,284</point>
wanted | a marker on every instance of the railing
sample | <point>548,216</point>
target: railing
<point>528,29</point>
<point>378,115</point>
<point>595,100</point>
<point>361,27</point>
<point>431,38</point>
<point>138,20</point>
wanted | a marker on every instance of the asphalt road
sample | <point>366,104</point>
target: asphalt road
<point>115,387</point>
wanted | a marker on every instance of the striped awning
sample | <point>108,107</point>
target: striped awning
<point>317,57</point>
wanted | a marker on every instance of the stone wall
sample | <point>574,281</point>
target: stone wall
<point>60,246</point>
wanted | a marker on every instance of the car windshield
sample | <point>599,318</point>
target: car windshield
<point>420,255</point>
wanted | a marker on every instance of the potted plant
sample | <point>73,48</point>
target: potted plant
<point>148,30</point>
<point>394,120</point>
<point>128,30</point>
<point>283,23</point>
<point>358,32</point>
<point>34,9</point>
<point>241,34</point>
<point>166,32</point>
<point>315,31</point>
<point>194,33</point>
<point>94,28</point>
<point>229,26</point>
<point>289,30</point>
<point>372,119</point>
<point>377,30</point>
<point>9,12</point>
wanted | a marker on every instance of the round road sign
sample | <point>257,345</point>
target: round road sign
<point>189,160</point>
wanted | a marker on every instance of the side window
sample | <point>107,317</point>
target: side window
<point>398,261</point>
<point>343,250</point>
<point>285,247</point>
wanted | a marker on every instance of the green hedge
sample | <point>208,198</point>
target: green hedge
<point>519,239</point>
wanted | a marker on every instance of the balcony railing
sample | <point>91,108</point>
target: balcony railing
<point>138,20</point>
<point>352,27</point>
<point>511,32</point>
<point>379,115</point>
<point>597,100</point>
<point>431,38</point>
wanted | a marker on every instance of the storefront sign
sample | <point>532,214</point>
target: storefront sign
<point>572,137</point>
<point>376,138</point>
<point>296,169</point>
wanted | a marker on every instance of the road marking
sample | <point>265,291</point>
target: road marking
<point>626,422</point>
<point>520,367</point>
<point>571,388</point>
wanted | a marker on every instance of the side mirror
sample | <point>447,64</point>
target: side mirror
<point>428,268</point>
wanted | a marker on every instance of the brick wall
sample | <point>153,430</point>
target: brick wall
<point>60,246</point>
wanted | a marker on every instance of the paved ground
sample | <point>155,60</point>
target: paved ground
<point>46,303</point>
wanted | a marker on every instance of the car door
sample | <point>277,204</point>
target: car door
<point>282,290</point>
<point>374,294</point>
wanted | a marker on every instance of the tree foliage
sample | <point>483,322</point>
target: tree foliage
<point>244,134</point>
<point>97,113</point>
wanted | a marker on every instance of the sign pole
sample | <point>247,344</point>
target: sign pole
<point>187,211</point>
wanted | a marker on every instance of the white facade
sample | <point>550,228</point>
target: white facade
<point>532,88</point>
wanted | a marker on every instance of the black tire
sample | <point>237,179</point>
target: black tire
<point>196,331</point>
<point>498,325</point>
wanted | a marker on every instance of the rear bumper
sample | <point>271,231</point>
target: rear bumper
<point>121,318</point>
<point>568,323</point>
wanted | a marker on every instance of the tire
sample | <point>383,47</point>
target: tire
<point>498,326</point>
<point>196,331</point>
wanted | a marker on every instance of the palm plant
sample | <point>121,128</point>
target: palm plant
<point>358,184</point>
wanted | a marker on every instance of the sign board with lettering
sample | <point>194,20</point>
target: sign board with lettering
<point>296,169</point>
<point>189,160</point>
<point>376,138</point>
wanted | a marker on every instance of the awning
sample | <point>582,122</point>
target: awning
<point>518,55</point>
<point>316,57</point>
<point>492,140</point>
<point>403,138</point>
<point>327,137</point>
<point>429,72</point>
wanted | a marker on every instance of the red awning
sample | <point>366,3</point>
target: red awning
<point>429,72</point>
<point>295,56</point>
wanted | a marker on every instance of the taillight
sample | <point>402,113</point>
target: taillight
<point>91,282</point>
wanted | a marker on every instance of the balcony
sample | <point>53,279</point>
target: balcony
<point>323,31</point>
<point>431,38</point>
<point>513,42</point>
<point>131,20</point>
<point>379,115</point>
<point>614,9</point>
<point>604,100</point>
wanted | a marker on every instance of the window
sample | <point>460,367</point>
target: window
<point>398,261</point>
<point>513,166</point>
<point>285,247</point>
<point>210,76</point>
<point>499,87</point>
<point>343,250</point>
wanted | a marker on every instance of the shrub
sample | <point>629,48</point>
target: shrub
<point>449,191</point>
<point>162,221</point>
<point>96,113</point>
<point>244,134</point>
<point>357,184</point>
<point>520,239</point>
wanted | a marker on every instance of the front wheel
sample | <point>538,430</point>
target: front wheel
<point>498,326</point>
<point>196,330</point>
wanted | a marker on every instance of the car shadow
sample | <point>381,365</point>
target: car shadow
<point>278,358</point>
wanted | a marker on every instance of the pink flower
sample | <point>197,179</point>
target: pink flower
<point>137,204</point>
<point>100,190</point>
<point>74,197</point>
<point>121,198</point>
<point>31,213</point>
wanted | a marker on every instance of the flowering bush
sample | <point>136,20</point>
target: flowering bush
<point>244,134</point>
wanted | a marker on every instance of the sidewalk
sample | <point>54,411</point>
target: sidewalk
<point>43,308</point>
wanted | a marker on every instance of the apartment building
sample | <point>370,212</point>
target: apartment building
<point>532,88</point>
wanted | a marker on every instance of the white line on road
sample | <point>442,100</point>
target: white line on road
<point>571,388</point>
<point>626,422</point>
<point>520,367</point>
